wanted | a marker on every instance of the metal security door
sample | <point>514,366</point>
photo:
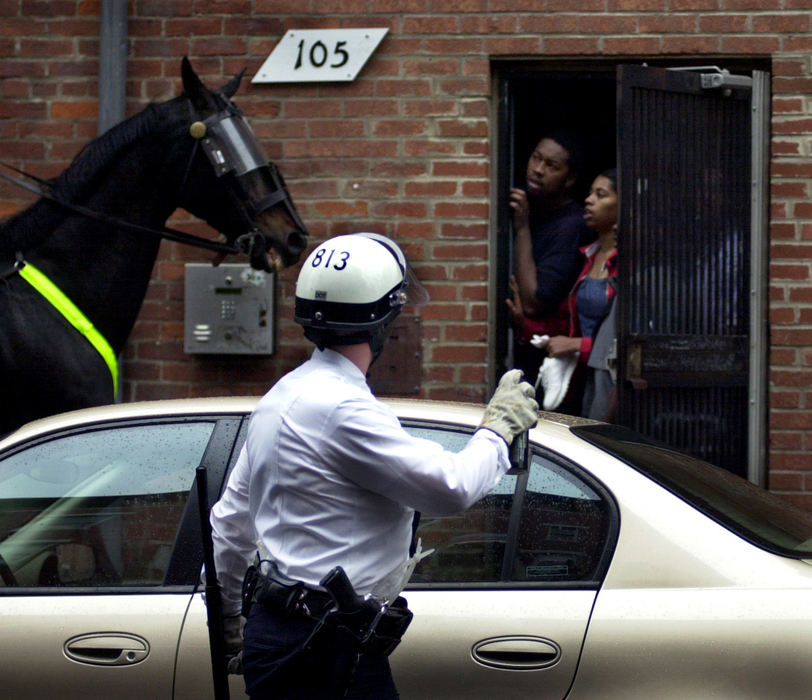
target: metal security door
<point>684,316</point>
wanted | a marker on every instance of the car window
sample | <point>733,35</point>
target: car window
<point>764,519</point>
<point>563,527</point>
<point>544,526</point>
<point>98,508</point>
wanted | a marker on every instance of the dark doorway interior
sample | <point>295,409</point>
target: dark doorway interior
<point>583,102</point>
<point>533,100</point>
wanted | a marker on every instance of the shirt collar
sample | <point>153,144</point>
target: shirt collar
<point>336,360</point>
<point>591,248</point>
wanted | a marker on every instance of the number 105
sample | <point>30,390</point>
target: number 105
<point>318,54</point>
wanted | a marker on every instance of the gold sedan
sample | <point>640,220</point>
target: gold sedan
<point>607,567</point>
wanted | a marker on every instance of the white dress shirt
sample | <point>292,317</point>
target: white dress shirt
<point>328,477</point>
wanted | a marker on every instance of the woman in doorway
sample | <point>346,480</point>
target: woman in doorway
<point>591,303</point>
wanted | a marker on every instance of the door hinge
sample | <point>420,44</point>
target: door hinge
<point>713,77</point>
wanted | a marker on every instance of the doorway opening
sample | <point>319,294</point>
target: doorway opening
<point>592,98</point>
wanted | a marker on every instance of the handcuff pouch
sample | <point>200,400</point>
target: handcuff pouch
<point>279,593</point>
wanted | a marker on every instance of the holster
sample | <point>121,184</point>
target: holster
<point>371,630</point>
<point>358,625</point>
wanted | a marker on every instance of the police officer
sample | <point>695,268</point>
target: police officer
<point>328,477</point>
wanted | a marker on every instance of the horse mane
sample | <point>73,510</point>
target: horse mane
<point>78,180</point>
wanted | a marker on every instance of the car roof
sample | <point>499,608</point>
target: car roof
<point>409,409</point>
<point>132,410</point>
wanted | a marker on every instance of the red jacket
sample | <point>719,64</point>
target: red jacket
<point>574,330</point>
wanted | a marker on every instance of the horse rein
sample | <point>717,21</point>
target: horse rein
<point>170,234</point>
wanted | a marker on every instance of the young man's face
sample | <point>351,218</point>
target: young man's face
<point>548,172</point>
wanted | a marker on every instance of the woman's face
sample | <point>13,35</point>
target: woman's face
<point>600,207</point>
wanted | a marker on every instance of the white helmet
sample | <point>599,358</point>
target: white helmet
<point>352,287</point>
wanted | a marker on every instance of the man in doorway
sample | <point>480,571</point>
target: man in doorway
<point>549,231</point>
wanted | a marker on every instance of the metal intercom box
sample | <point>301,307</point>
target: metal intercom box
<point>229,310</point>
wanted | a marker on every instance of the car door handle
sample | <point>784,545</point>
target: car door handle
<point>518,653</point>
<point>107,649</point>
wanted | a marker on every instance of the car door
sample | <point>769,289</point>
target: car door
<point>101,555</point>
<point>502,606</point>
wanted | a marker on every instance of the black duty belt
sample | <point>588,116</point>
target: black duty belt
<point>344,621</point>
<point>304,602</point>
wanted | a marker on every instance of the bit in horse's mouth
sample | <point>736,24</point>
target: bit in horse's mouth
<point>274,260</point>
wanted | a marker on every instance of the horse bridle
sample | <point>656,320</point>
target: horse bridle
<point>230,148</point>
<point>233,151</point>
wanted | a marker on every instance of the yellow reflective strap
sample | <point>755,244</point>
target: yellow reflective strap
<point>42,283</point>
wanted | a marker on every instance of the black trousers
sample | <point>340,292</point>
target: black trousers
<point>276,666</point>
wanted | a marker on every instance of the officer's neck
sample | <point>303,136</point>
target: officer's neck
<point>359,354</point>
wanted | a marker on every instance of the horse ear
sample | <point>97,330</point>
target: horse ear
<point>230,88</point>
<point>193,87</point>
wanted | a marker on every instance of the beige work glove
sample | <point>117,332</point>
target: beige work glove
<point>512,408</point>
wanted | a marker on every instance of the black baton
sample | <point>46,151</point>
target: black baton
<point>519,452</point>
<point>214,602</point>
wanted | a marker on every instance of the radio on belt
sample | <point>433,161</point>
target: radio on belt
<point>229,310</point>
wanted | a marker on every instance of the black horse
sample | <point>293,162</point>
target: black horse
<point>94,235</point>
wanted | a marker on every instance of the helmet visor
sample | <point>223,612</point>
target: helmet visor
<point>416,293</point>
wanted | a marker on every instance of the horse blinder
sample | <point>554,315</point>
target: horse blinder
<point>232,148</point>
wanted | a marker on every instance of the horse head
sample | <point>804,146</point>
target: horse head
<point>254,211</point>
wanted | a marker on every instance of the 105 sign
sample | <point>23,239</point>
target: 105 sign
<point>319,55</point>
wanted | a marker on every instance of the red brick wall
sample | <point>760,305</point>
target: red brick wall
<point>405,149</point>
<point>790,271</point>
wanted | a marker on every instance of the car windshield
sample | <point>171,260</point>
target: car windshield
<point>759,516</point>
